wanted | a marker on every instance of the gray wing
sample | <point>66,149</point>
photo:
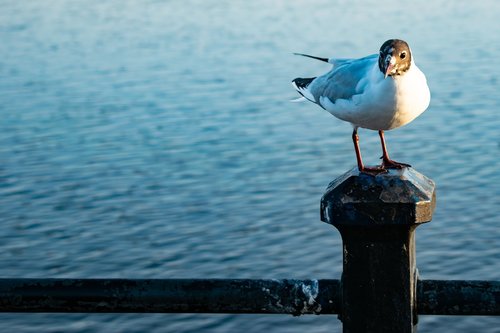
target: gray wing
<point>342,80</point>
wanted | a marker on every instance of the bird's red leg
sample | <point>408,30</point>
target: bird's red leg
<point>361,167</point>
<point>386,161</point>
<point>355,140</point>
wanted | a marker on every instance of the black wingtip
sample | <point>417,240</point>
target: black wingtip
<point>303,82</point>
<point>310,56</point>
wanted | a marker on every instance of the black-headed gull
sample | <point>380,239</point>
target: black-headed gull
<point>378,92</point>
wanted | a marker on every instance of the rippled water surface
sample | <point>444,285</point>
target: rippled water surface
<point>155,139</point>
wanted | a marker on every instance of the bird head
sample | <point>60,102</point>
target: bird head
<point>394,58</point>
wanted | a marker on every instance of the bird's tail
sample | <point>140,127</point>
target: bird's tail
<point>313,57</point>
<point>301,85</point>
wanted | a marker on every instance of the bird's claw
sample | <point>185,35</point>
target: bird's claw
<point>386,164</point>
<point>373,171</point>
<point>390,164</point>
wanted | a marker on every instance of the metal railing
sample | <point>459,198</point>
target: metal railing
<point>288,296</point>
<point>379,290</point>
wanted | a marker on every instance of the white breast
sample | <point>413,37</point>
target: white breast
<point>383,104</point>
<point>412,96</point>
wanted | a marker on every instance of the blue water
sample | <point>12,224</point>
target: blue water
<point>151,139</point>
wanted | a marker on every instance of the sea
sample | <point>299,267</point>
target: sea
<point>156,139</point>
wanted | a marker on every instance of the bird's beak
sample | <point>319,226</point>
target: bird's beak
<point>389,66</point>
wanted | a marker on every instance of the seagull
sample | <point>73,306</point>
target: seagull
<point>378,92</point>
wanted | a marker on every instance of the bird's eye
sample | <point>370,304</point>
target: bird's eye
<point>402,55</point>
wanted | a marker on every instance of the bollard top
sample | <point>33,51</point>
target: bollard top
<point>399,197</point>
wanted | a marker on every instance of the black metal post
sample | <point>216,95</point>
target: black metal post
<point>377,217</point>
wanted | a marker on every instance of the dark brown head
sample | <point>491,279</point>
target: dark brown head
<point>394,58</point>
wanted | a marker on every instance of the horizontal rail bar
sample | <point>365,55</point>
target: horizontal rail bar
<point>458,297</point>
<point>288,296</point>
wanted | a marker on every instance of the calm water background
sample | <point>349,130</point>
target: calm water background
<point>151,139</point>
